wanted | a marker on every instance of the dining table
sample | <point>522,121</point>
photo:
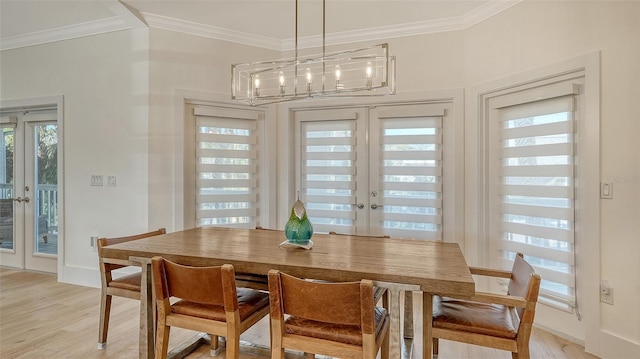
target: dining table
<point>429,267</point>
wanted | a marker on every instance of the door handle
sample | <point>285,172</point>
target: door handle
<point>20,199</point>
<point>375,206</point>
<point>359,205</point>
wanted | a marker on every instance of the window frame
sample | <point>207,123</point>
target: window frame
<point>184,205</point>
<point>587,185</point>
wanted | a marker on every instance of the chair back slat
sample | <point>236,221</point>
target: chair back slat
<point>102,242</point>
<point>337,303</point>
<point>194,284</point>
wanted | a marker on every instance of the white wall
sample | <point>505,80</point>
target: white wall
<point>103,81</point>
<point>534,34</point>
<point>191,67</point>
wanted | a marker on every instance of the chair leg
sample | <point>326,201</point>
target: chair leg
<point>215,346</point>
<point>105,311</point>
<point>162,339</point>
<point>233,347</point>
<point>435,346</point>
<point>277,354</point>
<point>384,348</point>
<point>523,351</point>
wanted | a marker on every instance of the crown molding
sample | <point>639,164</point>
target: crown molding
<point>127,18</point>
<point>465,21</point>
<point>214,32</point>
<point>479,14</point>
<point>64,33</point>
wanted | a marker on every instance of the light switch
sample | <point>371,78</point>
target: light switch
<point>606,190</point>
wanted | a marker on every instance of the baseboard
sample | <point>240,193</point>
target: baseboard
<point>88,277</point>
<point>614,347</point>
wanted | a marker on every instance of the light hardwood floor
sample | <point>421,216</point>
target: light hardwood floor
<point>41,318</point>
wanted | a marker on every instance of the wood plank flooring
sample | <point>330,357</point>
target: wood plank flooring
<point>41,318</point>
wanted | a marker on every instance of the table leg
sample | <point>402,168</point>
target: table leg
<point>147,322</point>
<point>408,314</point>
<point>394,325</point>
<point>427,321</point>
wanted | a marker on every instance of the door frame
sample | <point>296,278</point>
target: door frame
<point>286,164</point>
<point>55,102</point>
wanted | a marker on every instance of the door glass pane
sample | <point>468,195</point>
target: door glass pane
<point>6,187</point>
<point>46,207</point>
<point>410,172</point>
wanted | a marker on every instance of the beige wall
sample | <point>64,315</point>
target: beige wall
<point>104,83</point>
<point>191,67</point>
<point>108,81</point>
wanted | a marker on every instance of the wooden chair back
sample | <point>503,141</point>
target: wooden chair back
<point>127,286</point>
<point>329,303</point>
<point>209,301</point>
<point>492,320</point>
<point>194,284</point>
<point>322,313</point>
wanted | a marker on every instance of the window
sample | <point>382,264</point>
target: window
<point>226,162</point>
<point>533,164</point>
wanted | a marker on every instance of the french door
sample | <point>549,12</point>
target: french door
<point>374,170</point>
<point>28,190</point>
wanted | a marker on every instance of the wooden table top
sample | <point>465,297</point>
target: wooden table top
<point>437,267</point>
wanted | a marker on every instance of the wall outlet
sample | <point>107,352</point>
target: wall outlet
<point>111,181</point>
<point>606,293</point>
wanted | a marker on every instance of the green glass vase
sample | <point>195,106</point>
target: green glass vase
<point>298,229</point>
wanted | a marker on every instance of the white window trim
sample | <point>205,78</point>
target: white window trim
<point>588,210</point>
<point>267,173</point>
<point>286,186</point>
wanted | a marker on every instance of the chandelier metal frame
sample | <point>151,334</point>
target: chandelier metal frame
<point>365,71</point>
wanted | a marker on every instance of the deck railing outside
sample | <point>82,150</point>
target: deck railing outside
<point>47,201</point>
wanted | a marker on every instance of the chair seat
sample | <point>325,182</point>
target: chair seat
<point>129,282</point>
<point>348,334</point>
<point>481,318</point>
<point>249,302</point>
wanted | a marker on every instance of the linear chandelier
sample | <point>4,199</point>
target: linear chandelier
<point>366,71</point>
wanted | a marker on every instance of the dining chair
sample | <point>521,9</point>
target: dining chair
<point>127,286</point>
<point>492,320</point>
<point>334,319</point>
<point>207,301</point>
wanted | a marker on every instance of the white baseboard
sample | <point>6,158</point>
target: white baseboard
<point>614,347</point>
<point>88,277</point>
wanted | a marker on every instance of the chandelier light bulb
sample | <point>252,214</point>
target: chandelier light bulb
<point>308,80</point>
<point>256,82</point>
<point>281,78</point>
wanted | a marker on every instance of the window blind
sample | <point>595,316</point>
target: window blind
<point>536,192</point>
<point>227,153</point>
<point>410,174</point>
<point>328,173</point>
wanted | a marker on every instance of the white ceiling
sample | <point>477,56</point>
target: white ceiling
<point>266,23</point>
